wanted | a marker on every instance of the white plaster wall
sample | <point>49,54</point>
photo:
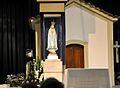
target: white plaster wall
<point>97,45</point>
<point>78,24</point>
<point>83,26</point>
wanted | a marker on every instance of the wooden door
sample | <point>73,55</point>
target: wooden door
<point>74,56</point>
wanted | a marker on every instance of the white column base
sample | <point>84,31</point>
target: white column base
<point>53,68</point>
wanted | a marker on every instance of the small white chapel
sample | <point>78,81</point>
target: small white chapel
<point>73,43</point>
<point>88,40</point>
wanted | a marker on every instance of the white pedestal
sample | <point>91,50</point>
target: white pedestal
<point>52,56</point>
<point>53,68</point>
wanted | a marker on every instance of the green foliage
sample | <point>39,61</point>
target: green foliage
<point>38,63</point>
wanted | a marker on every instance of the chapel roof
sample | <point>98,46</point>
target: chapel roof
<point>93,8</point>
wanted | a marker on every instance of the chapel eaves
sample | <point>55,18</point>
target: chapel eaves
<point>92,8</point>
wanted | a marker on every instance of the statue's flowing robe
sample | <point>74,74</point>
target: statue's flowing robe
<point>52,39</point>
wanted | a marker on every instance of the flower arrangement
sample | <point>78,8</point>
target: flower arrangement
<point>34,70</point>
<point>15,79</point>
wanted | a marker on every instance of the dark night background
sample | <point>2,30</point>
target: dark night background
<point>111,6</point>
<point>16,35</point>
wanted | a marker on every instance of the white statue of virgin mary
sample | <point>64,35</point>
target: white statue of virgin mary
<point>52,39</point>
